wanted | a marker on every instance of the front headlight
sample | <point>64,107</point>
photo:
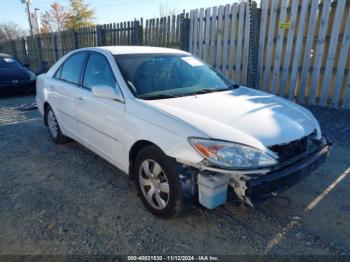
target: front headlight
<point>32,76</point>
<point>231,155</point>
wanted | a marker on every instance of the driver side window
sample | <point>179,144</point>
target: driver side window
<point>98,72</point>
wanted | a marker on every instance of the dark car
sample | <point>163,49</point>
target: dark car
<point>15,77</point>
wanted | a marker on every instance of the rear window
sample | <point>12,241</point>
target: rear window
<point>72,67</point>
<point>8,62</point>
<point>58,73</point>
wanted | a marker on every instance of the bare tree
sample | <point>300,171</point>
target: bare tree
<point>45,24</point>
<point>11,31</point>
<point>166,10</point>
<point>54,20</point>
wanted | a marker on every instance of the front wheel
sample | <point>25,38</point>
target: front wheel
<point>157,183</point>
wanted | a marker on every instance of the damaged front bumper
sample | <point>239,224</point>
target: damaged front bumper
<point>254,186</point>
<point>276,181</point>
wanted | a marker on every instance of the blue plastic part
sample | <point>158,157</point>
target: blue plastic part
<point>213,201</point>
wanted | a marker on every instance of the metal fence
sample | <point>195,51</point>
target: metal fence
<point>42,51</point>
<point>298,49</point>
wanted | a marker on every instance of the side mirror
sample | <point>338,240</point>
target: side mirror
<point>26,65</point>
<point>108,92</point>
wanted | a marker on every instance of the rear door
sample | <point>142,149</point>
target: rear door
<point>64,92</point>
<point>101,121</point>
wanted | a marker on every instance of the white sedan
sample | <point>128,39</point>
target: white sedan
<point>181,130</point>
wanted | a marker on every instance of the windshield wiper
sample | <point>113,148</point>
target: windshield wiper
<point>210,90</point>
<point>160,96</point>
<point>204,91</point>
<point>235,85</point>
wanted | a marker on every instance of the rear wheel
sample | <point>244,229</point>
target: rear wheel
<point>157,182</point>
<point>53,127</point>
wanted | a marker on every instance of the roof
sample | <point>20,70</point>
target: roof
<point>122,50</point>
<point>4,55</point>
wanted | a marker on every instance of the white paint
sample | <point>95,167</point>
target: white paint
<point>110,128</point>
<point>192,61</point>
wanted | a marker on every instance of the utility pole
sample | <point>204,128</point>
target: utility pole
<point>37,18</point>
<point>28,2</point>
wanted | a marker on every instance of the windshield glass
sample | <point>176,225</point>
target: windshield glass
<point>8,62</point>
<point>156,76</point>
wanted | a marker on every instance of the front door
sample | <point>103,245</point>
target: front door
<point>100,120</point>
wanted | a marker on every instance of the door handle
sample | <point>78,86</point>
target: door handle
<point>81,99</point>
<point>51,87</point>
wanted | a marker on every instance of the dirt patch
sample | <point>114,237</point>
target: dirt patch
<point>67,200</point>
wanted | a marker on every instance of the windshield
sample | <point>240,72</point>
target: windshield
<point>157,76</point>
<point>8,62</point>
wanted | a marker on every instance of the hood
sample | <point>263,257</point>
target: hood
<point>15,73</point>
<point>242,115</point>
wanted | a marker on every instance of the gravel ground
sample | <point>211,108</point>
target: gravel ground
<point>67,200</point>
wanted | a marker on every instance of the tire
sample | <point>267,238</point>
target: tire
<point>160,189</point>
<point>53,127</point>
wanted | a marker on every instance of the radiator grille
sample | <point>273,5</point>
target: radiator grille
<point>292,149</point>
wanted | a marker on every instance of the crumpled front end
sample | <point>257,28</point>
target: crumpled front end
<point>288,173</point>
<point>297,160</point>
